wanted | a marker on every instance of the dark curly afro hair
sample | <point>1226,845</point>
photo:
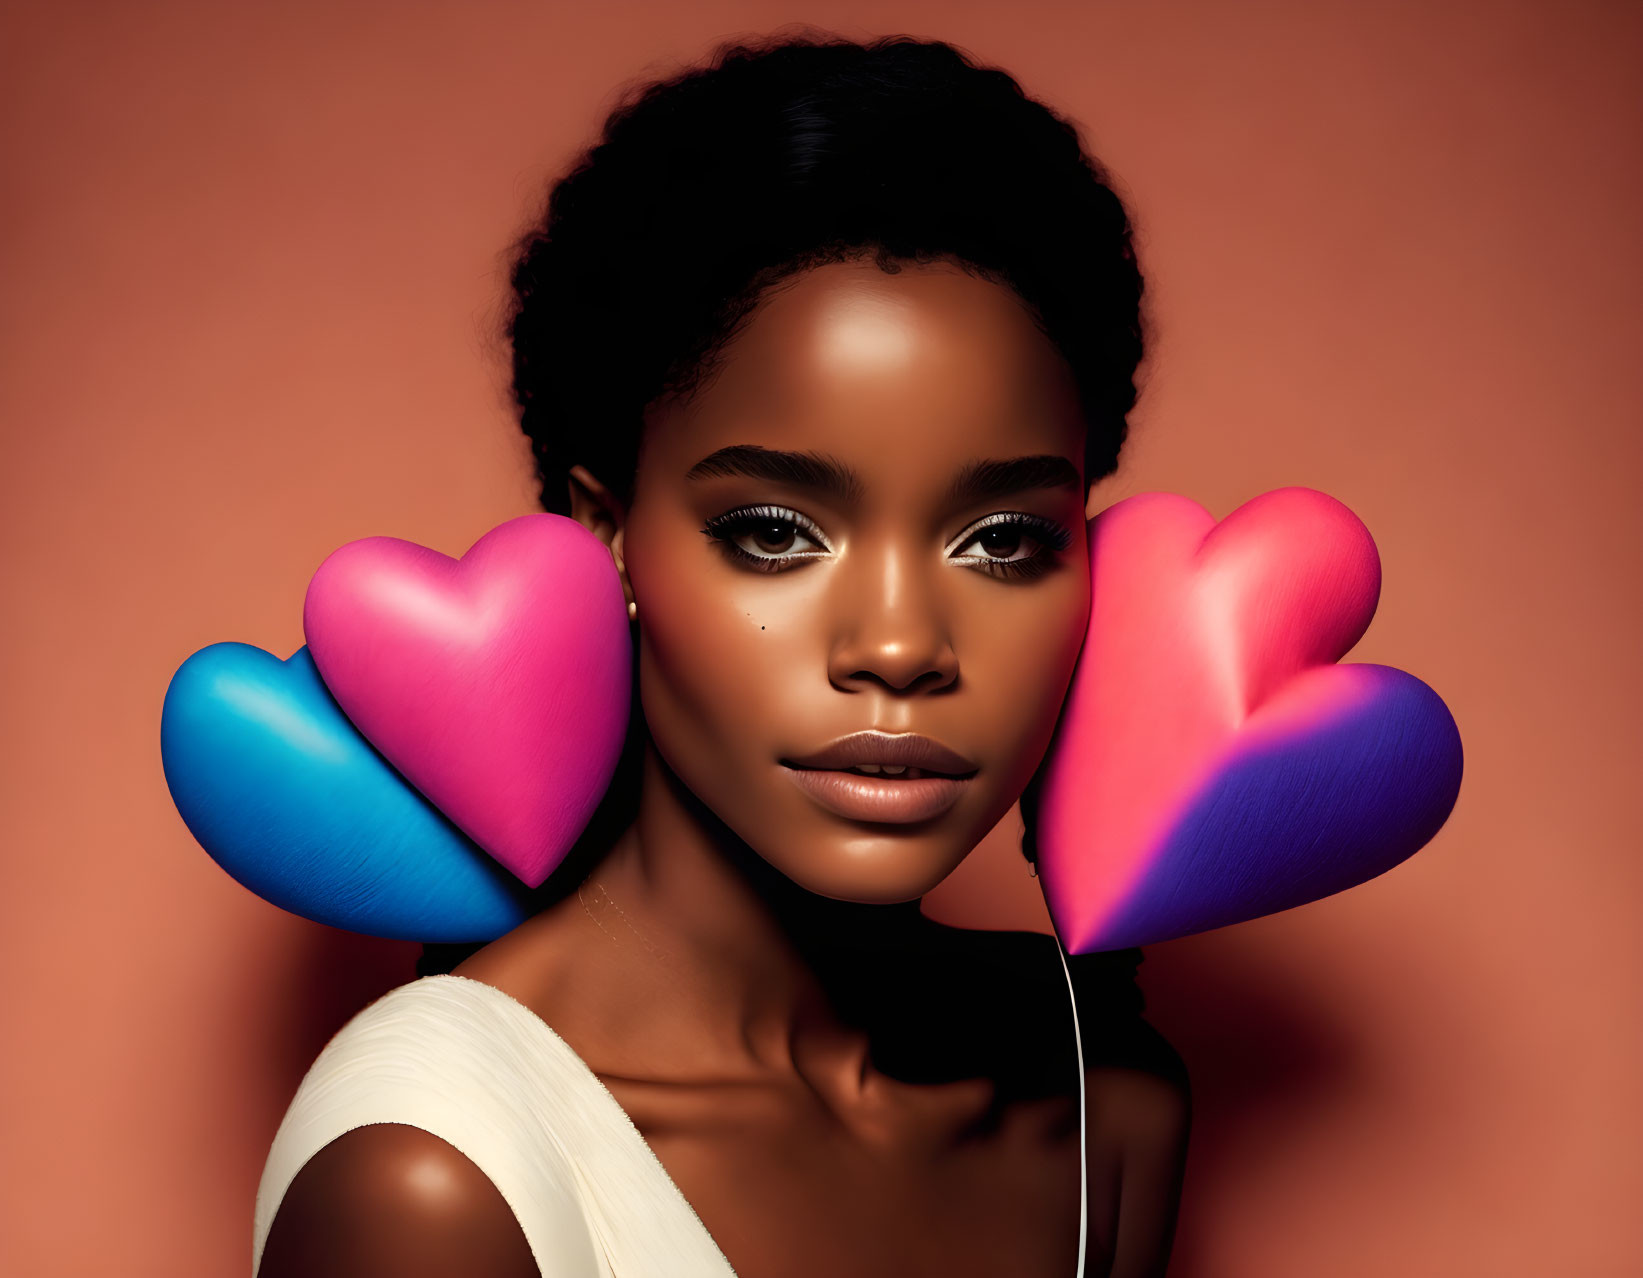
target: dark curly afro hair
<point>708,187</point>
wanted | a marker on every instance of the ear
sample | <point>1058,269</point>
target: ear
<point>596,508</point>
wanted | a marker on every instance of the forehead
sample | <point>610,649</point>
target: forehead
<point>905,378</point>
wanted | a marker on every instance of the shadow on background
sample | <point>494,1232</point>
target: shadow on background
<point>323,982</point>
<point>1265,1054</point>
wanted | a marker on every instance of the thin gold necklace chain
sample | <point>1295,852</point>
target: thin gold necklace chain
<point>600,887</point>
<point>592,915</point>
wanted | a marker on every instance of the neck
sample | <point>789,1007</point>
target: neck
<point>684,946</point>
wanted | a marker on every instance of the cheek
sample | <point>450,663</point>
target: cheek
<point>1017,651</point>
<point>723,657</point>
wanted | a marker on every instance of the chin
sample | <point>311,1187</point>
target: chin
<point>869,868</point>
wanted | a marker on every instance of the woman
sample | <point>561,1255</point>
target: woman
<point>827,343</point>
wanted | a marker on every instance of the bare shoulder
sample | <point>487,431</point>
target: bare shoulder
<point>1143,1117</point>
<point>393,1200</point>
<point>1146,1112</point>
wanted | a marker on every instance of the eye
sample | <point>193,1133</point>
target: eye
<point>1012,543</point>
<point>767,538</point>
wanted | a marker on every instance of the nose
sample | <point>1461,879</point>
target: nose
<point>892,629</point>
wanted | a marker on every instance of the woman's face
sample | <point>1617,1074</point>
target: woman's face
<point>871,520</point>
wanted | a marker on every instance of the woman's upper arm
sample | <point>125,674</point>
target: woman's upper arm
<point>393,1201</point>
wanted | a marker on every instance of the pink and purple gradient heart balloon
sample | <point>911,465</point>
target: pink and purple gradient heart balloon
<point>1213,763</point>
<point>498,684</point>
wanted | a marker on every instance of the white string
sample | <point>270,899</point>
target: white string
<point>1083,1125</point>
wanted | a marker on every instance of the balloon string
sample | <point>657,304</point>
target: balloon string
<point>1083,1123</point>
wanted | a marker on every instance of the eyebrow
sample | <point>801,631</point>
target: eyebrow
<point>979,481</point>
<point>984,480</point>
<point>802,470</point>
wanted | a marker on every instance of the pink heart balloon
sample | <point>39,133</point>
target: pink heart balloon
<point>497,684</point>
<point>1212,762</point>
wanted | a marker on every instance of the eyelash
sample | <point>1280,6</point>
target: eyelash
<point>725,528</point>
<point>1050,535</point>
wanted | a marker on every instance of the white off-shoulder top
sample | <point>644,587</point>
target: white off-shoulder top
<point>466,1062</point>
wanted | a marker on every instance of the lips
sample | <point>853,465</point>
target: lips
<point>901,749</point>
<point>896,778</point>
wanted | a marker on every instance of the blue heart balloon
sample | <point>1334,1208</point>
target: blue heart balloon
<point>286,795</point>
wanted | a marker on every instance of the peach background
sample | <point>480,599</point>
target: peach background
<point>252,262</point>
